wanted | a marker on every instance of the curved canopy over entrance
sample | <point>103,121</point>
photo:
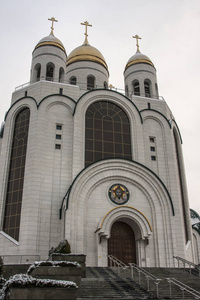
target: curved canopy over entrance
<point>122,243</point>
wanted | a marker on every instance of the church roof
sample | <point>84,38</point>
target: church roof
<point>50,40</point>
<point>137,58</point>
<point>86,52</point>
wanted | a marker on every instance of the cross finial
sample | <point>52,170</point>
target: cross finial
<point>111,87</point>
<point>137,38</point>
<point>86,24</point>
<point>52,20</point>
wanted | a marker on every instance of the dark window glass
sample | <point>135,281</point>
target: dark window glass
<point>153,157</point>
<point>57,146</point>
<point>59,127</point>
<point>136,88</point>
<point>107,132</point>
<point>58,136</point>
<point>147,89</point>
<point>90,82</point>
<point>72,80</point>
<point>153,148</point>
<point>49,72</point>
<point>16,175</point>
<point>61,75</point>
<point>151,139</point>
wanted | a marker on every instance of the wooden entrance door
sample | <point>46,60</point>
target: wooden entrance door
<point>122,243</point>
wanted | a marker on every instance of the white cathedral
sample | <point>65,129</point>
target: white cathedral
<point>82,162</point>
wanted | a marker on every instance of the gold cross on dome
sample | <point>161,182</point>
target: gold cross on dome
<point>52,20</point>
<point>86,24</point>
<point>137,38</point>
<point>111,86</point>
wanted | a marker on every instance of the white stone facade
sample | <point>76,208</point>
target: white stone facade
<point>63,199</point>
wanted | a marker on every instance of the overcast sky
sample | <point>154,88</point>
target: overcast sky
<point>170,37</point>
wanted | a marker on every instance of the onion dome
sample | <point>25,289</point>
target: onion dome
<point>86,52</point>
<point>50,40</point>
<point>139,58</point>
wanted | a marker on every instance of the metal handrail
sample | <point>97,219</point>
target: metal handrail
<point>116,262</point>
<point>183,287</point>
<point>147,275</point>
<point>187,262</point>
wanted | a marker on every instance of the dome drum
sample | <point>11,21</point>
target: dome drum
<point>48,63</point>
<point>79,73</point>
<point>140,77</point>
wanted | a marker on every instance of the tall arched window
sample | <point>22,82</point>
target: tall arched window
<point>61,75</point>
<point>90,82</point>
<point>49,71</point>
<point>136,88</point>
<point>147,88</point>
<point>107,132</point>
<point>16,175</point>
<point>126,91</point>
<point>37,72</point>
<point>105,85</point>
<point>72,80</point>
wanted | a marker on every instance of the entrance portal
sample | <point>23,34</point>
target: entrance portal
<point>122,243</point>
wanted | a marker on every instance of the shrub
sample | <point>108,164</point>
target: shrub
<point>63,247</point>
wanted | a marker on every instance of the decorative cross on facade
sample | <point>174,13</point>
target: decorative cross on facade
<point>137,38</point>
<point>52,20</point>
<point>86,24</point>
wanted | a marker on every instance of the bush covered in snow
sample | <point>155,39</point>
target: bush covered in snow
<point>63,247</point>
<point>23,281</point>
<point>2,280</point>
<point>52,264</point>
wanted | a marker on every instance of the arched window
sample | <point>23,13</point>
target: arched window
<point>37,72</point>
<point>72,80</point>
<point>107,132</point>
<point>147,89</point>
<point>16,175</point>
<point>61,75</point>
<point>105,85</point>
<point>90,82</point>
<point>126,91</point>
<point>136,88</point>
<point>49,72</point>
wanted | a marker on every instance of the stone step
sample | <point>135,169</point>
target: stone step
<point>106,283</point>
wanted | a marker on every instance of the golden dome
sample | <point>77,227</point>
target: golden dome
<point>50,40</point>
<point>137,58</point>
<point>86,52</point>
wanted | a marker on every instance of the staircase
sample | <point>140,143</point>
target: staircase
<point>105,283</point>
<point>182,275</point>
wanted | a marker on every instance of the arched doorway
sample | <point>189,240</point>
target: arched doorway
<point>122,243</point>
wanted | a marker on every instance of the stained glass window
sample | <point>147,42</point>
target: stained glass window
<point>16,175</point>
<point>107,132</point>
